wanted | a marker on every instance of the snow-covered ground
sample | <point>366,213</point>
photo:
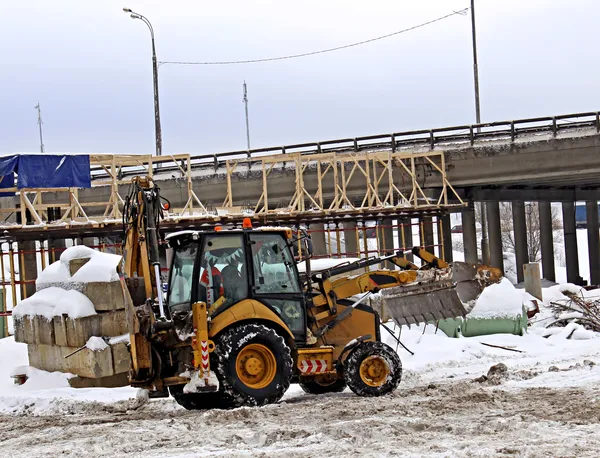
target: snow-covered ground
<point>545,404</point>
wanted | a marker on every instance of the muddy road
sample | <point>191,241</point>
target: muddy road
<point>457,418</point>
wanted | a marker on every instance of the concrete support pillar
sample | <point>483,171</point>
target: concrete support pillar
<point>387,234</point>
<point>520,231</point>
<point>89,241</point>
<point>387,241</point>
<point>446,237</point>
<point>547,240</point>
<point>495,234</point>
<point>405,238</point>
<point>27,267</point>
<point>568,211</point>
<point>591,211</point>
<point>317,235</point>
<point>55,249</point>
<point>469,234</point>
<point>351,247</point>
<point>426,233</point>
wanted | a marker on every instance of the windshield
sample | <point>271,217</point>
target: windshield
<point>182,270</point>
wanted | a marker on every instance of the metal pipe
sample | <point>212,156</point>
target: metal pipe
<point>159,293</point>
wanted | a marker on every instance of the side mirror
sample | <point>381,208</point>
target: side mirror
<point>306,245</point>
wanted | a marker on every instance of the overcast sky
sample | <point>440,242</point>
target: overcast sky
<point>89,66</point>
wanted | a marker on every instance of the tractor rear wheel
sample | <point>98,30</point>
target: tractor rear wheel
<point>199,401</point>
<point>372,369</point>
<point>254,365</point>
<point>323,384</point>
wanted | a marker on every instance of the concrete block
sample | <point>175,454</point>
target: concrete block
<point>112,381</point>
<point>19,329</point>
<point>533,282</point>
<point>85,363</point>
<point>106,296</point>
<point>76,264</point>
<point>108,324</point>
<point>34,330</point>
<point>121,358</point>
<point>60,331</point>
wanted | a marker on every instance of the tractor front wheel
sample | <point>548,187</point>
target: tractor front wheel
<point>254,365</point>
<point>372,369</point>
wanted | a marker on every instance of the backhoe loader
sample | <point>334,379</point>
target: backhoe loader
<point>240,323</point>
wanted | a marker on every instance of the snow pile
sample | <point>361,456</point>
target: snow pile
<point>500,300</point>
<point>101,267</point>
<point>46,392</point>
<point>52,301</point>
<point>438,357</point>
<point>96,344</point>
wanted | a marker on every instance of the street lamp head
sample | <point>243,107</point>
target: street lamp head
<point>134,16</point>
<point>127,10</point>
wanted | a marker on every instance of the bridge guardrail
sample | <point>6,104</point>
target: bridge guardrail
<point>430,138</point>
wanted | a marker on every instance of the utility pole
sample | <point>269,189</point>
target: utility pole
<point>245,100</point>
<point>39,110</point>
<point>485,250</point>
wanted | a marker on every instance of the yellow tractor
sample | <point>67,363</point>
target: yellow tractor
<point>240,323</point>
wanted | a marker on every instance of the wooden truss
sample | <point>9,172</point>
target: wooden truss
<point>340,184</point>
<point>324,185</point>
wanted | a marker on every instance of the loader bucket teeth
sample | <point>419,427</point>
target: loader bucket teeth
<point>413,304</point>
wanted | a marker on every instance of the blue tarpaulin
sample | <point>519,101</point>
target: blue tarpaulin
<point>45,171</point>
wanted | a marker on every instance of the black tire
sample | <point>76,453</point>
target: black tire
<point>240,338</point>
<point>367,352</point>
<point>316,386</point>
<point>198,401</point>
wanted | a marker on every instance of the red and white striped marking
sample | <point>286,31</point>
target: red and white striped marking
<point>204,354</point>
<point>313,366</point>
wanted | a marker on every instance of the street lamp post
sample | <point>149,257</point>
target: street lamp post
<point>157,129</point>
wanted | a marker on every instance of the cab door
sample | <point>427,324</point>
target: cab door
<point>275,280</point>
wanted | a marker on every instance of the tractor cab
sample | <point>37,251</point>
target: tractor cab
<point>223,268</point>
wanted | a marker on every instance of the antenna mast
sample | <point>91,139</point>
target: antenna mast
<point>39,110</point>
<point>245,100</point>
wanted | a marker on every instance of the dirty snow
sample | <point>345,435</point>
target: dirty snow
<point>545,404</point>
<point>52,301</point>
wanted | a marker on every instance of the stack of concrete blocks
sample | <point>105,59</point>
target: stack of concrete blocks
<point>49,342</point>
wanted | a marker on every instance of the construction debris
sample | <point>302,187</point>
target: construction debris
<point>576,309</point>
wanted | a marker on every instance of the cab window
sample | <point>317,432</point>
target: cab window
<point>222,270</point>
<point>274,271</point>
<point>182,270</point>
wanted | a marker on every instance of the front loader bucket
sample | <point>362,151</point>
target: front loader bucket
<point>419,303</point>
<point>471,279</point>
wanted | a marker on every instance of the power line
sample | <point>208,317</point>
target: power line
<point>294,56</point>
